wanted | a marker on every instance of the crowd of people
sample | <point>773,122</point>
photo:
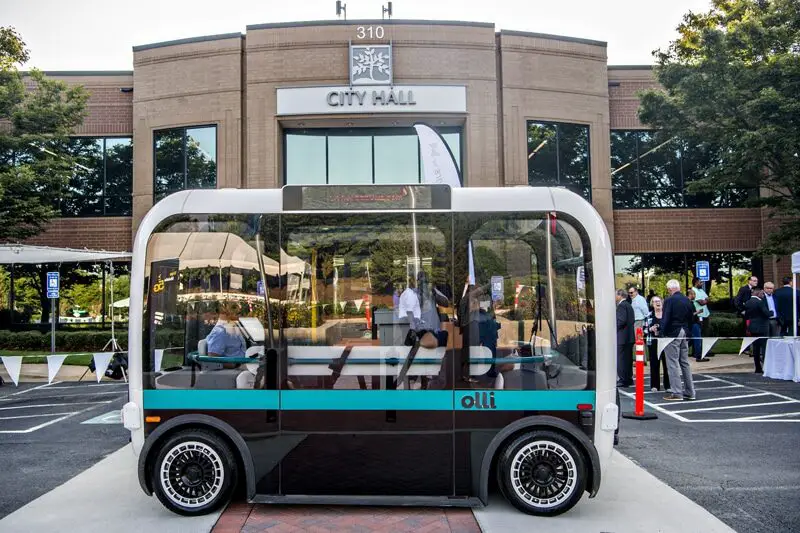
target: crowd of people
<point>765,312</point>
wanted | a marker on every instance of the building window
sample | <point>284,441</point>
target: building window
<point>185,158</point>
<point>102,182</point>
<point>648,172</point>
<point>558,156</point>
<point>358,156</point>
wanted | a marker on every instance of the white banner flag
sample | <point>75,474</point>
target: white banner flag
<point>159,355</point>
<point>438,165</point>
<point>358,303</point>
<point>13,364</point>
<point>101,361</point>
<point>746,342</point>
<point>708,343</point>
<point>54,363</point>
<point>663,343</point>
<point>342,305</point>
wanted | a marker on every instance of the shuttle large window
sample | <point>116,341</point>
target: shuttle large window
<point>531,303</point>
<point>368,301</point>
<point>206,320</point>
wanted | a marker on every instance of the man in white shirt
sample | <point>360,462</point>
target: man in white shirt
<point>701,303</point>
<point>769,296</point>
<point>640,308</point>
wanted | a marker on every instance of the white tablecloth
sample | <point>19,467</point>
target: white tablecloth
<point>782,360</point>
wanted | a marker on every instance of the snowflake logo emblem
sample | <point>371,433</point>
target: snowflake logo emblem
<point>371,64</point>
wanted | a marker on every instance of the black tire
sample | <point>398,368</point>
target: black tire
<point>542,473</point>
<point>200,473</point>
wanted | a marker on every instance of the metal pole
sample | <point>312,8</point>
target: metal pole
<point>113,338</point>
<point>550,288</point>
<point>53,316</point>
<point>794,304</point>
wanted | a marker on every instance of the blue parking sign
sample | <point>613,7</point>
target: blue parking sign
<point>703,271</point>
<point>53,284</point>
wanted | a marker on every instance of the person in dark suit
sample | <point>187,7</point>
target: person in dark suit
<point>676,321</point>
<point>783,301</point>
<point>757,313</point>
<point>625,339</point>
<point>743,296</point>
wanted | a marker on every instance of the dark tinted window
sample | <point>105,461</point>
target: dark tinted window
<point>650,171</point>
<point>558,155</point>
<point>102,181</point>
<point>185,158</point>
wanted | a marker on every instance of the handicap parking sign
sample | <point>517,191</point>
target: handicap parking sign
<point>703,270</point>
<point>53,284</point>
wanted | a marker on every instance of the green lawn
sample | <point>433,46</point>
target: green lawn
<point>75,360</point>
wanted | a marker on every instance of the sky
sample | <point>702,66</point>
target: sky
<point>99,34</point>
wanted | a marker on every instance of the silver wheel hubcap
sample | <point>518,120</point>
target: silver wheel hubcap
<point>543,474</point>
<point>192,474</point>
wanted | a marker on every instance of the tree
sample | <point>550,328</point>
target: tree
<point>731,91</point>
<point>34,166</point>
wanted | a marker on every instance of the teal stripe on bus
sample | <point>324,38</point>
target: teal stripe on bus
<point>367,400</point>
<point>518,400</point>
<point>198,399</point>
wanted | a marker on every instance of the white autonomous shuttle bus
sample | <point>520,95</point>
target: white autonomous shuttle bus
<point>397,344</point>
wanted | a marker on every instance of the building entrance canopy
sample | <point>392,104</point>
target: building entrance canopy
<point>19,254</point>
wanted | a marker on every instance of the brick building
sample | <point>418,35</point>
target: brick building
<point>255,110</point>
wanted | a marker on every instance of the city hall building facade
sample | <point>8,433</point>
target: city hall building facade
<point>333,102</point>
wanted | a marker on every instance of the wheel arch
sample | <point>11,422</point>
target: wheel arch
<point>524,425</point>
<point>196,421</point>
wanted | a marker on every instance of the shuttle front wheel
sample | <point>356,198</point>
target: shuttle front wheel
<point>194,473</point>
<point>542,473</point>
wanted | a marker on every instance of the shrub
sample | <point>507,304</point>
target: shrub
<point>66,341</point>
<point>721,326</point>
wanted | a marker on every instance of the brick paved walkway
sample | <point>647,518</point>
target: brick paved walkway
<point>249,518</point>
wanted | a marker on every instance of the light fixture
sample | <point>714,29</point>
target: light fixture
<point>341,9</point>
<point>387,10</point>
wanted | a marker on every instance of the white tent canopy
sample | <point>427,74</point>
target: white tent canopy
<point>221,250</point>
<point>122,304</point>
<point>19,254</point>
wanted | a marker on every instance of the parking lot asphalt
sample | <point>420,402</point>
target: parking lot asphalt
<point>734,450</point>
<point>50,433</point>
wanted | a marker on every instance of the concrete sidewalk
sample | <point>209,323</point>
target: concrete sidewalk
<point>631,500</point>
<point>106,497</point>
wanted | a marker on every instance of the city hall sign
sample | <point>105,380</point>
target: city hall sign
<point>371,90</point>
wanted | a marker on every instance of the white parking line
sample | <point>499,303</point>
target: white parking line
<point>34,416</point>
<point>761,417</point>
<point>53,405</point>
<point>50,422</point>
<point>87,393</point>
<point>28,390</point>
<point>718,399</point>
<point>775,418</point>
<point>732,407</point>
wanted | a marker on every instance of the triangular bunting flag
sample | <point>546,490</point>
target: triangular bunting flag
<point>159,357</point>
<point>746,342</point>
<point>663,343</point>
<point>54,363</point>
<point>101,361</point>
<point>708,343</point>
<point>13,365</point>
<point>342,305</point>
<point>358,303</point>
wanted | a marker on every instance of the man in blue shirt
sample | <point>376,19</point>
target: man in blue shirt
<point>640,308</point>
<point>769,296</point>
<point>226,339</point>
